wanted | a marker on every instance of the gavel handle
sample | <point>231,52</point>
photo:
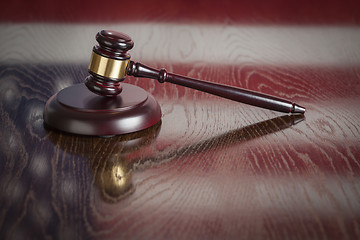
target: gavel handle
<point>229,92</point>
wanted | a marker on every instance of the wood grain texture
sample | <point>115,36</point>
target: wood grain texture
<point>212,169</point>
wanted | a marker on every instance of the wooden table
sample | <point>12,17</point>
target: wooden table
<point>213,168</point>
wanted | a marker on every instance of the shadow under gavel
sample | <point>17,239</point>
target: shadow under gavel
<point>113,160</point>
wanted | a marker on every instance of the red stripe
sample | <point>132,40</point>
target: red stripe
<point>247,11</point>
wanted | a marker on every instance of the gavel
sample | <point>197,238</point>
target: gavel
<point>121,108</point>
<point>110,63</point>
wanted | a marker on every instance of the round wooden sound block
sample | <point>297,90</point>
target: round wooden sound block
<point>77,110</point>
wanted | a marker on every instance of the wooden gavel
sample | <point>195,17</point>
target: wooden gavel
<point>110,63</point>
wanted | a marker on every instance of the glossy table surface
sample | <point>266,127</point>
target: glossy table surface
<point>212,168</point>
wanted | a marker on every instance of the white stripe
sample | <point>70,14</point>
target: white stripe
<point>285,45</point>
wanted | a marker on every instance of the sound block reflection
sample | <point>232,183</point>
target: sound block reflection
<point>77,110</point>
<point>111,160</point>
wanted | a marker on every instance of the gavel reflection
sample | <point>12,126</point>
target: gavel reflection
<point>113,160</point>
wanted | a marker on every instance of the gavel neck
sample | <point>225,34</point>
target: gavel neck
<point>140,70</point>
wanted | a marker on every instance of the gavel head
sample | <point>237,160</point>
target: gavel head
<point>109,62</point>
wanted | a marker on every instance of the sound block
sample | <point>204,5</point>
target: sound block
<point>77,110</point>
